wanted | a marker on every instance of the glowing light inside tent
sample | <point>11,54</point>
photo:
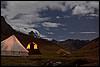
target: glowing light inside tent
<point>35,46</point>
<point>28,47</point>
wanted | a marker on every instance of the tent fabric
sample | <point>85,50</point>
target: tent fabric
<point>12,46</point>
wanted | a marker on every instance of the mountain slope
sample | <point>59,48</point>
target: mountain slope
<point>6,29</point>
<point>91,49</point>
<point>89,54</point>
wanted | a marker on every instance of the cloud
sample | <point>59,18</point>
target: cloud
<point>30,9</point>
<point>57,17</point>
<point>33,7</point>
<point>46,28</point>
<point>88,7</point>
<point>27,12</point>
<point>72,32</point>
<point>94,15</point>
<point>66,16</point>
<point>64,29</point>
<point>48,39</point>
<point>24,25</point>
<point>3,4</point>
<point>83,32</point>
<point>93,4</point>
<point>50,24</point>
<point>25,30</point>
<point>79,10</point>
<point>62,40</point>
<point>50,32</point>
<point>45,37</point>
<point>88,32</point>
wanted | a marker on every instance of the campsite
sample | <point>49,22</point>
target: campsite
<point>49,33</point>
<point>19,49</point>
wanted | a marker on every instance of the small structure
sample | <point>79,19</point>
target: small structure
<point>33,48</point>
<point>63,52</point>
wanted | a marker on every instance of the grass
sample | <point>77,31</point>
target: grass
<point>40,60</point>
<point>32,60</point>
<point>18,61</point>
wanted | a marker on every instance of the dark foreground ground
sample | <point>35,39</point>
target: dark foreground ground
<point>49,60</point>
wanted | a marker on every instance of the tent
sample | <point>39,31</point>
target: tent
<point>63,52</point>
<point>33,48</point>
<point>12,47</point>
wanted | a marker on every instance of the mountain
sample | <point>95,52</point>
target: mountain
<point>89,53</point>
<point>71,44</point>
<point>91,49</point>
<point>45,45</point>
<point>6,29</point>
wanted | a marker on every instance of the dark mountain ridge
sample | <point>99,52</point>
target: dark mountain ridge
<point>71,44</point>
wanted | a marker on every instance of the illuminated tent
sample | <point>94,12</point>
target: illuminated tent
<point>12,47</point>
<point>33,48</point>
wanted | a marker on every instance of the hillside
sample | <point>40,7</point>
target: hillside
<point>6,29</point>
<point>90,53</point>
<point>91,49</point>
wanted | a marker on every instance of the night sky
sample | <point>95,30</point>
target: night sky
<point>59,20</point>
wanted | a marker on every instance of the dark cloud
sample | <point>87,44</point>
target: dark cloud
<point>4,4</point>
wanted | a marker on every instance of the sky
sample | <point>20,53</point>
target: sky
<point>59,20</point>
